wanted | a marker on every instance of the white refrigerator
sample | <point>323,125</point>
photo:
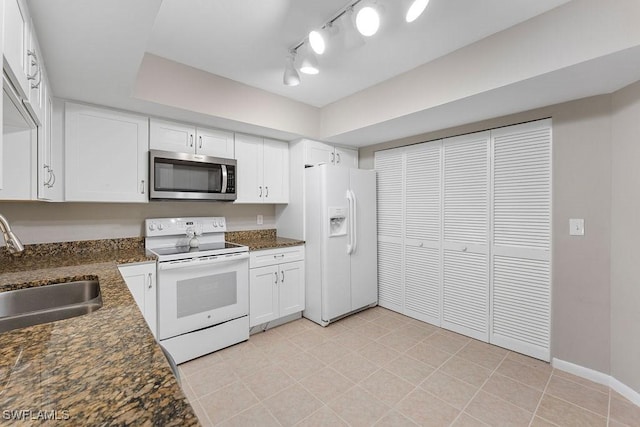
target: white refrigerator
<point>341,268</point>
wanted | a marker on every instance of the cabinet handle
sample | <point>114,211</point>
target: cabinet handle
<point>282,272</point>
<point>279,256</point>
<point>190,140</point>
<point>53,177</point>
<point>276,274</point>
<point>260,191</point>
<point>333,158</point>
<point>150,281</point>
<point>200,141</point>
<point>338,157</point>
<point>47,183</point>
<point>34,61</point>
<point>142,187</point>
<point>267,189</point>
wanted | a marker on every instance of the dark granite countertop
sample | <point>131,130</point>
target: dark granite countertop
<point>261,239</point>
<point>103,368</point>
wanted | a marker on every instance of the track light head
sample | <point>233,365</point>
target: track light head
<point>309,63</point>
<point>291,76</point>
<point>368,19</point>
<point>317,41</point>
<point>416,9</point>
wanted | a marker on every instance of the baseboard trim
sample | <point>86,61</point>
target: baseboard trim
<point>598,377</point>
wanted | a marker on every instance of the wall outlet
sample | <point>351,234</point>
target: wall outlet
<point>260,220</point>
<point>576,227</point>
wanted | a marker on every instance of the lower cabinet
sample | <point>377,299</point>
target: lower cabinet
<point>141,281</point>
<point>276,284</point>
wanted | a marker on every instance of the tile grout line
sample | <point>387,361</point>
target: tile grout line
<point>544,391</point>
<point>479,390</point>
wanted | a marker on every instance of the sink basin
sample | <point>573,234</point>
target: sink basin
<point>48,303</point>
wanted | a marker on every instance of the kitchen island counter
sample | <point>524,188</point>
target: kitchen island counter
<point>101,368</point>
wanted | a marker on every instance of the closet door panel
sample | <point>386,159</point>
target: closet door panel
<point>389,165</point>
<point>465,284</point>
<point>521,258</point>
<point>423,231</point>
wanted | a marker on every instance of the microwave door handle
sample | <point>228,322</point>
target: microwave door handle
<point>224,179</point>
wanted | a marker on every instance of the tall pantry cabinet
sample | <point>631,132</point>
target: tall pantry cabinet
<point>464,234</point>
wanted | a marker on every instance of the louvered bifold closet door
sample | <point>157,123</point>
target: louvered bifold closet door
<point>389,165</point>
<point>521,270</point>
<point>422,213</point>
<point>465,291</point>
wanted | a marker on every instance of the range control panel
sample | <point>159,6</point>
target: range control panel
<point>181,226</point>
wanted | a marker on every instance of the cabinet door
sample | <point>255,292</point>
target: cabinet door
<point>170,136</point>
<point>45,168</point>
<point>215,143</point>
<point>36,100</point>
<point>291,287</point>
<point>263,294</point>
<point>105,155</point>
<point>276,171</point>
<point>346,157</point>
<point>249,155</point>
<point>141,281</point>
<point>465,306</point>
<point>316,152</point>
<point>16,44</point>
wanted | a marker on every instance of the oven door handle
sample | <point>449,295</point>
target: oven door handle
<point>218,259</point>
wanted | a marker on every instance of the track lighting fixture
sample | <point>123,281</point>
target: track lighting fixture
<point>309,63</point>
<point>359,18</point>
<point>416,9</point>
<point>291,76</point>
<point>368,20</point>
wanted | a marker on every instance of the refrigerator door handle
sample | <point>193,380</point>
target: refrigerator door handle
<point>354,227</point>
<point>350,244</point>
<point>353,242</point>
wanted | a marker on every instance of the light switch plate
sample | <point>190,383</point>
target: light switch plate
<point>576,227</point>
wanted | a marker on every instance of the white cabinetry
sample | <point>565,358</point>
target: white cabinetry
<point>49,170</point>
<point>276,284</point>
<point>16,30</point>
<point>464,234</point>
<point>105,155</point>
<point>263,170</point>
<point>316,152</point>
<point>184,138</point>
<point>141,281</point>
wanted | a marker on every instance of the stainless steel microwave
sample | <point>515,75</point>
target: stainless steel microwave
<point>187,176</point>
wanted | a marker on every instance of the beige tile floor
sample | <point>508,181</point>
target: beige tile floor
<point>382,368</point>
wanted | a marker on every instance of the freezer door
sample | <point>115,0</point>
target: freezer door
<point>364,258</point>
<point>336,287</point>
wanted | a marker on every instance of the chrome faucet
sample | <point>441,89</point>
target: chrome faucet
<point>14,245</point>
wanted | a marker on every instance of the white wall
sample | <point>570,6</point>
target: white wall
<point>625,236</point>
<point>41,222</point>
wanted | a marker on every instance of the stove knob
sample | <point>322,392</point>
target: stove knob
<point>152,226</point>
<point>160,226</point>
<point>215,223</point>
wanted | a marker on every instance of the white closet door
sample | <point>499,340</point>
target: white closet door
<point>465,291</point>
<point>423,226</point>
<point>521,276</point>
<point>390,181</point>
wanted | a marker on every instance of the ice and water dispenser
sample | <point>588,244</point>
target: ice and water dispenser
<point>337,221</point>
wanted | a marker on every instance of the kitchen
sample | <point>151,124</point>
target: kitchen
<point>592,105</point>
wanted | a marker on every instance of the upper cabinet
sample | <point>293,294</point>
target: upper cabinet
<point>16,30</point>
<point>50,174</point>
<point>263,170</point>
<point>105,155</point>
<point>316,152</point>
<point>183,138</point>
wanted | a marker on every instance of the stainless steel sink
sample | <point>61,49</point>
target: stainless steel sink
<point>48,303</point>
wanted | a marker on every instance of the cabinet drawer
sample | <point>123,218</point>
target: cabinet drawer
<point>267,257</point>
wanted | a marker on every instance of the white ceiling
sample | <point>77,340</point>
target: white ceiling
<point>248,40</point>
<point>93,50</point>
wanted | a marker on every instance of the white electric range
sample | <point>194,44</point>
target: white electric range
<point>203,285</point>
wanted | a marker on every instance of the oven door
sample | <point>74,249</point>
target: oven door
<point>201,292</point>
<point>186,176</point>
